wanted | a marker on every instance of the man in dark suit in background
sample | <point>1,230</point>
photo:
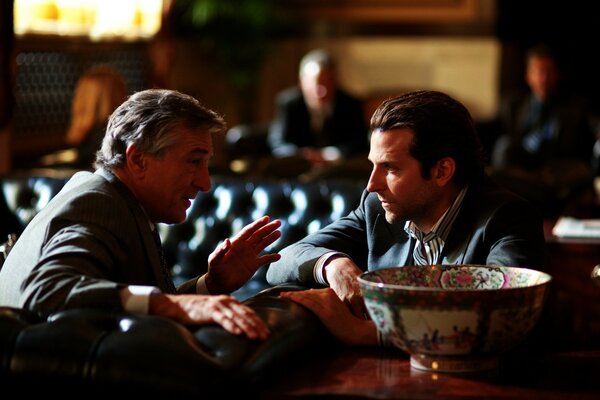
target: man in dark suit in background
<point>547,133</point>
<point>95,244</point>
<point>317,120</point>
<point>427,202</point>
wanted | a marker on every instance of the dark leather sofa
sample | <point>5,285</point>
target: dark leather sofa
<point>95,353</point>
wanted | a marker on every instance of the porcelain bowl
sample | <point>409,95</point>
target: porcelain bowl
<point>454,318</point>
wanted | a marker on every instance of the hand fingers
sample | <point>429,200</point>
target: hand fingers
<point>300,298</point>
<point>261,226</point>
<point>311,298</point>
<point>268,240</point>
<point>268,258</point>
<point>250,322</point>
<point>356,304</point>
<point>269,228</point>
<point>220,252</point>
<point>287,295</point>
<point>260,240</point>
<point>297,297</point>
<point>237,318</point>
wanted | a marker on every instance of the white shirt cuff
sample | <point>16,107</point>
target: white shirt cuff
<point>135,298</point>
<point>319,269</point>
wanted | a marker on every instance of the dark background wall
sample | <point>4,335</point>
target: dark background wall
<point>570,26</point>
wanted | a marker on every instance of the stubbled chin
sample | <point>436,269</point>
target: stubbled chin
<point>177,219</point>
<point>390,217</point>
<point>178,213</point>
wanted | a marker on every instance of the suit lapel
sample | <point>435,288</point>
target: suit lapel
<point>394,247</point>
<point>455,248</point>
<point>143,226</point>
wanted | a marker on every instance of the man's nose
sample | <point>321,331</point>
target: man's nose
<point>202,180</point>
<point>374,185</point>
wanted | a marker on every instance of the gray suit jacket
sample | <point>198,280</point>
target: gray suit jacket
<point>90,240</point>
<point>494,226</point>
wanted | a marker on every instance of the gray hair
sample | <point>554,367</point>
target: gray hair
<point>151,119</point>
<point>318,56</point>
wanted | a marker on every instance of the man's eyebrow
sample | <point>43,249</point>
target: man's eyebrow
<point>201,151</point>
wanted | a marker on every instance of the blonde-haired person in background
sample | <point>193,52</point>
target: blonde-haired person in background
<point>98,92</point>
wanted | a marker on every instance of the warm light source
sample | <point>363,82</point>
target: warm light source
<point>97,19</point>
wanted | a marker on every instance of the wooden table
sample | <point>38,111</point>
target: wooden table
<point>566,364</point>
<point>575,300</point>
<point>376,373</point>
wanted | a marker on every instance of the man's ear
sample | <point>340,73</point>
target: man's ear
<point>136,160</point>
<point>443,171</point>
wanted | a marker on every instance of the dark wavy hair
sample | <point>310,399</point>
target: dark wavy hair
<point>442,127</point>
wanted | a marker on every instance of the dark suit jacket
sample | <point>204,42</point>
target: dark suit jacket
<point>494,226</point>
<point>90,240</point>
<point>290,128</point>
<point>575,124</point>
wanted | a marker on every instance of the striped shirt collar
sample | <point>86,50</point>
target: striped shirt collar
<point>442,227</point>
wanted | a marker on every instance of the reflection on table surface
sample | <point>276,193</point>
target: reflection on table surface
<point>385,373</point>
<point>565,363</point>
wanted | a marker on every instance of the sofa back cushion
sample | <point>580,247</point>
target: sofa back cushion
<point>233,202</point>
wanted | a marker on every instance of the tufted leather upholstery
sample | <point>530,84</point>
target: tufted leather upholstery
<point>95,353</point>
<point>107,353</point>
<point>215,215</point>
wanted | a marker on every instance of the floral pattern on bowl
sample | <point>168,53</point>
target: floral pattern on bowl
<point>454,312</point>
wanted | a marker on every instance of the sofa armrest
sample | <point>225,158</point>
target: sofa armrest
<point>107,352</point>
<point>112,352</point>
<point>295,333</point>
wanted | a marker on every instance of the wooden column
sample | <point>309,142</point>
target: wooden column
<point>6,83</point>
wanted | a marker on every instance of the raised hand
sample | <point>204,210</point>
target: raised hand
<point>235,261</point>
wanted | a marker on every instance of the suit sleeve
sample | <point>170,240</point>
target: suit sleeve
<point>346,235</point>
<point>91,249</point>
<point>517,238</point>
<point>73,271</point>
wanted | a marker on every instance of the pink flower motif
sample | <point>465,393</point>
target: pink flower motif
<point>507,282</point>
<point>445,278</point>
<point>464,278</point>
